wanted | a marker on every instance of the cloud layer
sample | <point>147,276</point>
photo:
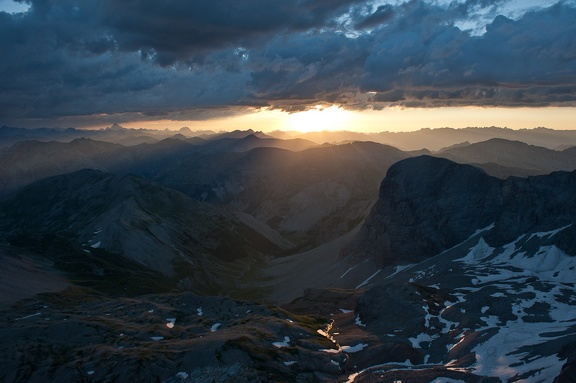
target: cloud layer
<point>143,58</point>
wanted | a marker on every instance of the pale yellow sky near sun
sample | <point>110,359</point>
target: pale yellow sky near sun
<point>389,119</point>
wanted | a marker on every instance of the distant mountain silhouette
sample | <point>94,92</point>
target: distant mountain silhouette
<point>436,139</point>
<point>513,154</point>
<point>225,143</point>
<point>29,161</point>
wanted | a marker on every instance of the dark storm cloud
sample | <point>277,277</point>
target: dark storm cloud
<point>382,14</point>
<point>176,30</point>
<point>423,57</point>
<point>169,58</point>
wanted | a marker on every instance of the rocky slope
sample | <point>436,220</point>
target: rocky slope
<point>427,205</point>
<point>114,225</point>
<point>473,313</point>
<point>76,336</point>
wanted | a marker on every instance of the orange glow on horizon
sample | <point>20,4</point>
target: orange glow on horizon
<point>372,121</point>
<point>319,119</point>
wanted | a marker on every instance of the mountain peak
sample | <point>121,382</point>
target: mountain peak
<point>115,126</point>
<point>427,205</point>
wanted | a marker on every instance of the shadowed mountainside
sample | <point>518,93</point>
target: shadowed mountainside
<point>86,219</point>
<point>428,205</point>
<point>311,196</point>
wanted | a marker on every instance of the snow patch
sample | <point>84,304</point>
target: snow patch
<point>407,364</point>
<point>96,245</point>
<point>358,347</point>
<point>368,280</point>
<point>28,316</point>
<point>548,233</point>
<point>421,338</point>
<point>347,271</point>
<point>348,349</point>
<point>215,327</point>
<point>477,253</point>
<point>285,343</point>
<point>489,227</point>
<point>400,268</point>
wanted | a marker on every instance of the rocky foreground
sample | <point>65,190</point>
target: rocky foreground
<point>75,337</point>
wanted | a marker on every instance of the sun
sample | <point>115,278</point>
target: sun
<point>319,119</point>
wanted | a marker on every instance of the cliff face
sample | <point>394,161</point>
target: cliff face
<point>427,205</point>
<point>535,205</point>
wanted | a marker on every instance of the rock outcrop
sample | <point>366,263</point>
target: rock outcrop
<point>427,205</point>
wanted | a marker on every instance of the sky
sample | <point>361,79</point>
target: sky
<point>288,64</point>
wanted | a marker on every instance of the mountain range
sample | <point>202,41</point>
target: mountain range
<point>431,139</point>
<point>253,257</point>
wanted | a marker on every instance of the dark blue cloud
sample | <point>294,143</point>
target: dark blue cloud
<point>168,57</point>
